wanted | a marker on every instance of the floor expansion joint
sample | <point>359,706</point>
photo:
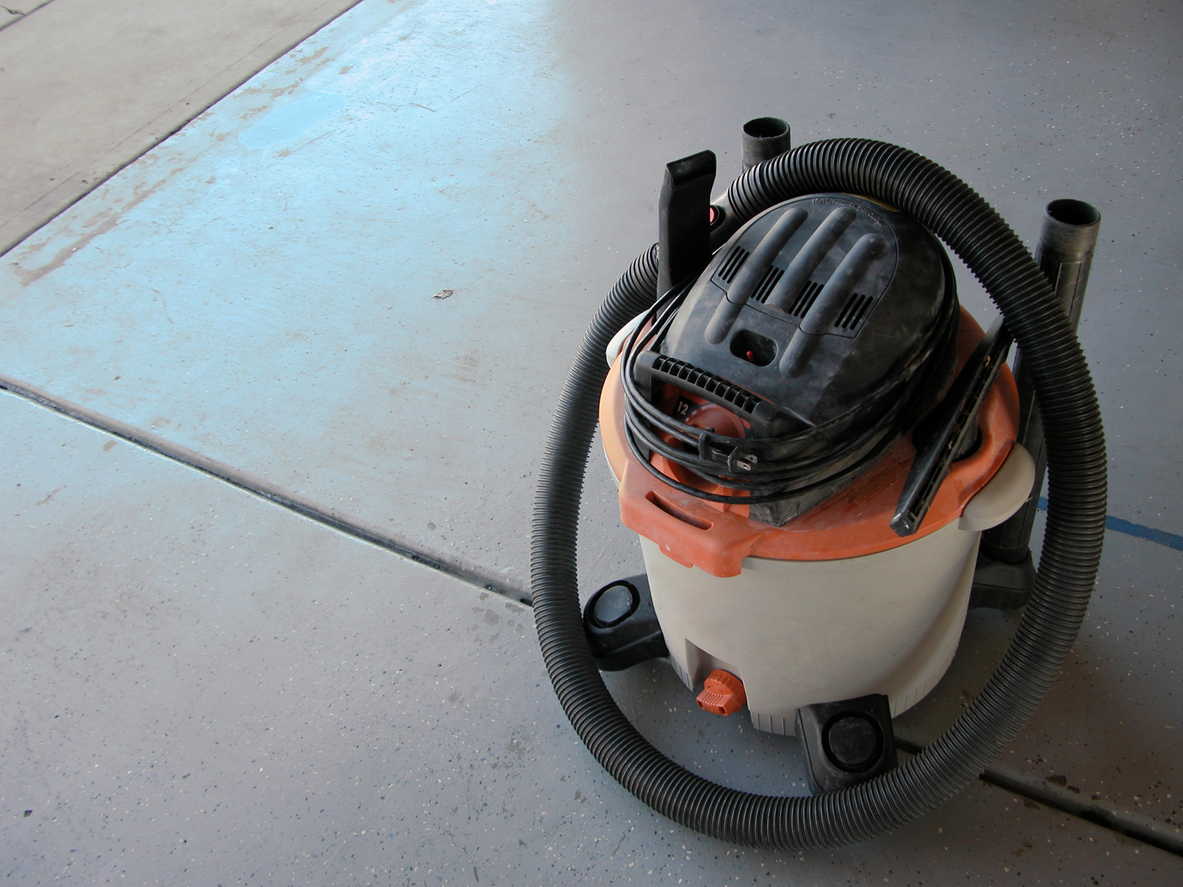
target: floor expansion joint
<point>257,487</point>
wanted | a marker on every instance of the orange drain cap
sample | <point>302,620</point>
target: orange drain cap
<point>722,693</point>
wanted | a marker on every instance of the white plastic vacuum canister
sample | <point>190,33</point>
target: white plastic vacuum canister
<point>833,605</point>
<point>803,632</point>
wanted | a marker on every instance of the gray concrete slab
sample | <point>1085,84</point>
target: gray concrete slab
<point>269,289</point>
<point>202,688</point>
<point>10,16</point>
<point>85,88</point>
<point>276,263</point>
<point>1110,733</point>
<point>362,392</point>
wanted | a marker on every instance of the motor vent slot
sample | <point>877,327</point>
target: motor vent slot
<point>805,301</point>
<point>770,279</point>
<point>693,379</point>
<point>730,266</point>
<point>852,315</point>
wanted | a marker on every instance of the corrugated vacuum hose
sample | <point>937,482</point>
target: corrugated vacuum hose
<point>1068,563</point>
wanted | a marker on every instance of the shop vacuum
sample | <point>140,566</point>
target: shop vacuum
<point>827,463</point>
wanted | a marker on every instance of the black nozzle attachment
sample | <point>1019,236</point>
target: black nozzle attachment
<point>763,139</point>
<point>945,435</point>
<point>684,219</point>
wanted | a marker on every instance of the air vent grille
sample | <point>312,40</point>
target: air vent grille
<point>770,279</point>
<point>854,312</point>
<point>805,301</point>
<point>672,368</point>
<point>731,264</point>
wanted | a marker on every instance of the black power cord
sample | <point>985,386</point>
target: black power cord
<point>768,469</point>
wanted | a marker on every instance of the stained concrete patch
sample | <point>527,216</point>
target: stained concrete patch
<point>291,119</point>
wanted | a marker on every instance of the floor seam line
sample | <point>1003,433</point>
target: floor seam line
<point>1115,819</point>
<point>257,487</point>
<point>1123,822</point>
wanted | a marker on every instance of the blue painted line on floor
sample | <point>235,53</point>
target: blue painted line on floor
<point>1160,537</point>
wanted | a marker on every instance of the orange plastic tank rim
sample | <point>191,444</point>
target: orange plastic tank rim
<point>854,522</point>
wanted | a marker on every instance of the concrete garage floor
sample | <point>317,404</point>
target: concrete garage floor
<point>238,407</point>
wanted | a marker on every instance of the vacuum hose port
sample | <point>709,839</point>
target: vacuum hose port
<point>1065,250</point>
<point>1064,253</point>
<point>763,139</point>
<point>1073,212</point>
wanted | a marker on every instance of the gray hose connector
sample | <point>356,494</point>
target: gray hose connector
<point>764,138</point>
<point>1064,252</point>
<point>1068,566</point>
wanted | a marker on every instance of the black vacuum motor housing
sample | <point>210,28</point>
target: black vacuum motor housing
<point>827,323</point>
<point>830,283</point>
